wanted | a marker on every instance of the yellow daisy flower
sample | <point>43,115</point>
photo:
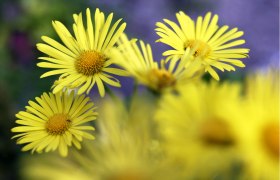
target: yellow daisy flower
<point>138,61</point>
<point>83,60</point>
<point>195,126</point>
<point>124,150</point>
<point>259,126</point>
<point>211,45</point>
<point>55,121</point>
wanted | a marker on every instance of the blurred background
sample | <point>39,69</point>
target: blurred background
<point>23,22</point>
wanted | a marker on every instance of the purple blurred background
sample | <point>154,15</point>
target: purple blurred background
<point>24,21</point>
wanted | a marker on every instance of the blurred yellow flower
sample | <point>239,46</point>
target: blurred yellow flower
<point>138,61</point>
<point>195,126</point>
<point>209,44</point>
<point>51,167</point>
<point>83,60</point>
<point>127,146</point>
<point>55,122</point>
<point>125,149</point>
<point>259,127</point>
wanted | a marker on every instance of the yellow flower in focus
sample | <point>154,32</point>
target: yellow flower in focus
<point>138,61</point>
<point>55,122</point>
<point>124,149</point>
<point>195,124</point>
<point>209,44</point>
<point>259,127</point>
<point>83,60</point>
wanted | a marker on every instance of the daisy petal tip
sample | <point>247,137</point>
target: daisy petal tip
<point>42,76</point>
<point>64,155</point>
<point>55,90</point>
<point>209,13</point>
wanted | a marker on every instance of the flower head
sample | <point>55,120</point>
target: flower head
<point>196,129</point>
<point>258,129</point>
<point>137,59</point>
<point>55,121</point>
<point>125,149</point>
<point>209,44</point>
<point>83,60</point>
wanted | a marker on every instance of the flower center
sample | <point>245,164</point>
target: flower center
<point>90,63</point>
<point>200,48</point>
<point>216,132</point>
<point>58,124</point>
<point>161,78</point>
<point>271,139</point>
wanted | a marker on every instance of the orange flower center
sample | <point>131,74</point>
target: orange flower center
<point>200,48</point>
<point>161,78</point>
<point>271,139</point>
<point>90,63</point>
<point>58,124</point>
<point>216,132</point>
